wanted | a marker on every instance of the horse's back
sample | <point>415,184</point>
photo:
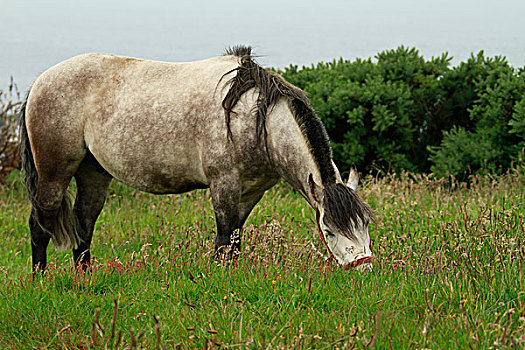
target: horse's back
<point>144,121</point>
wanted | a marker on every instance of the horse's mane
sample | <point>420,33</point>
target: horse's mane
<point>345,209</point>
<point>271,88</point>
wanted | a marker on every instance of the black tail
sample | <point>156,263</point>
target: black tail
<point>30,176</point>
<point>65,230</point>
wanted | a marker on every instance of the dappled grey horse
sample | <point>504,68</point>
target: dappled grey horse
<point>223,123</point>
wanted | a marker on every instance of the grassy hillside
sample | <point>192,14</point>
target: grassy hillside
<point>449,273</point>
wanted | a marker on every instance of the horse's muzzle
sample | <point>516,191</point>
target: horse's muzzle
<point>364,263</point>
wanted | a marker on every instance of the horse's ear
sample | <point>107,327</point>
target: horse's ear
<point>315,190</point>
<point>353,179</point>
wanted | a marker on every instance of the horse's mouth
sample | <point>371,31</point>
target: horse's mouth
<point>364,263</point>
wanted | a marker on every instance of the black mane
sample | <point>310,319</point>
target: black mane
<point>344,208</point>
<point>271,88</point>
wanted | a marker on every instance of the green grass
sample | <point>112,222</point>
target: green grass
<point>449,273</point>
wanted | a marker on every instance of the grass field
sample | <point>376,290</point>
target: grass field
<point>449,273</point>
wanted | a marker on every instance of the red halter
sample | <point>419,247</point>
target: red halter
<point>321,233</point>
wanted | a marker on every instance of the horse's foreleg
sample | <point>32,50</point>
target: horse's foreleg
<point>92,184</point>
<point>246,206</point>
<point>226,194</point>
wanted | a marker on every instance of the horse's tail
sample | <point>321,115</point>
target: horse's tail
<point>64,230</point>
<point>30,176</point>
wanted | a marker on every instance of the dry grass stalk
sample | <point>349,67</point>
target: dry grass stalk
<point>9,104</point>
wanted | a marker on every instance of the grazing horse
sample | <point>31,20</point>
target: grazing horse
<point>223,123</point>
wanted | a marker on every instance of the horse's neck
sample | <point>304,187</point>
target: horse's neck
<point>289,151</point>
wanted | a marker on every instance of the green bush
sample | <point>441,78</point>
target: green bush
<point>375,113</point>
<point>405,112</point>
<point>494,134</point>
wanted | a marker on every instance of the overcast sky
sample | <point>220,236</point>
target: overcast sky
<point>36,34</point>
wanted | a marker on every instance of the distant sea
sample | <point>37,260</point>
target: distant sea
<point>36,34</point>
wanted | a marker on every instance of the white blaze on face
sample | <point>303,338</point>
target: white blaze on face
<point>347,250</point>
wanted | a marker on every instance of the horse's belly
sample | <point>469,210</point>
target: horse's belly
<point>154,172</point>
<point>162,183</point>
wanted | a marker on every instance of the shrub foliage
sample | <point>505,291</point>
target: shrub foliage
<point>401,111</point>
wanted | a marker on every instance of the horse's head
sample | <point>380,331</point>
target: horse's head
<point>342,219</point>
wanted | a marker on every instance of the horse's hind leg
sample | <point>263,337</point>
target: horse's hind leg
<point>49,215</point>
<point>92,184</point>
<point>39,242</point>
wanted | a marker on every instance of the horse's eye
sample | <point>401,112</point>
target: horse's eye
<point>330,234</point>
